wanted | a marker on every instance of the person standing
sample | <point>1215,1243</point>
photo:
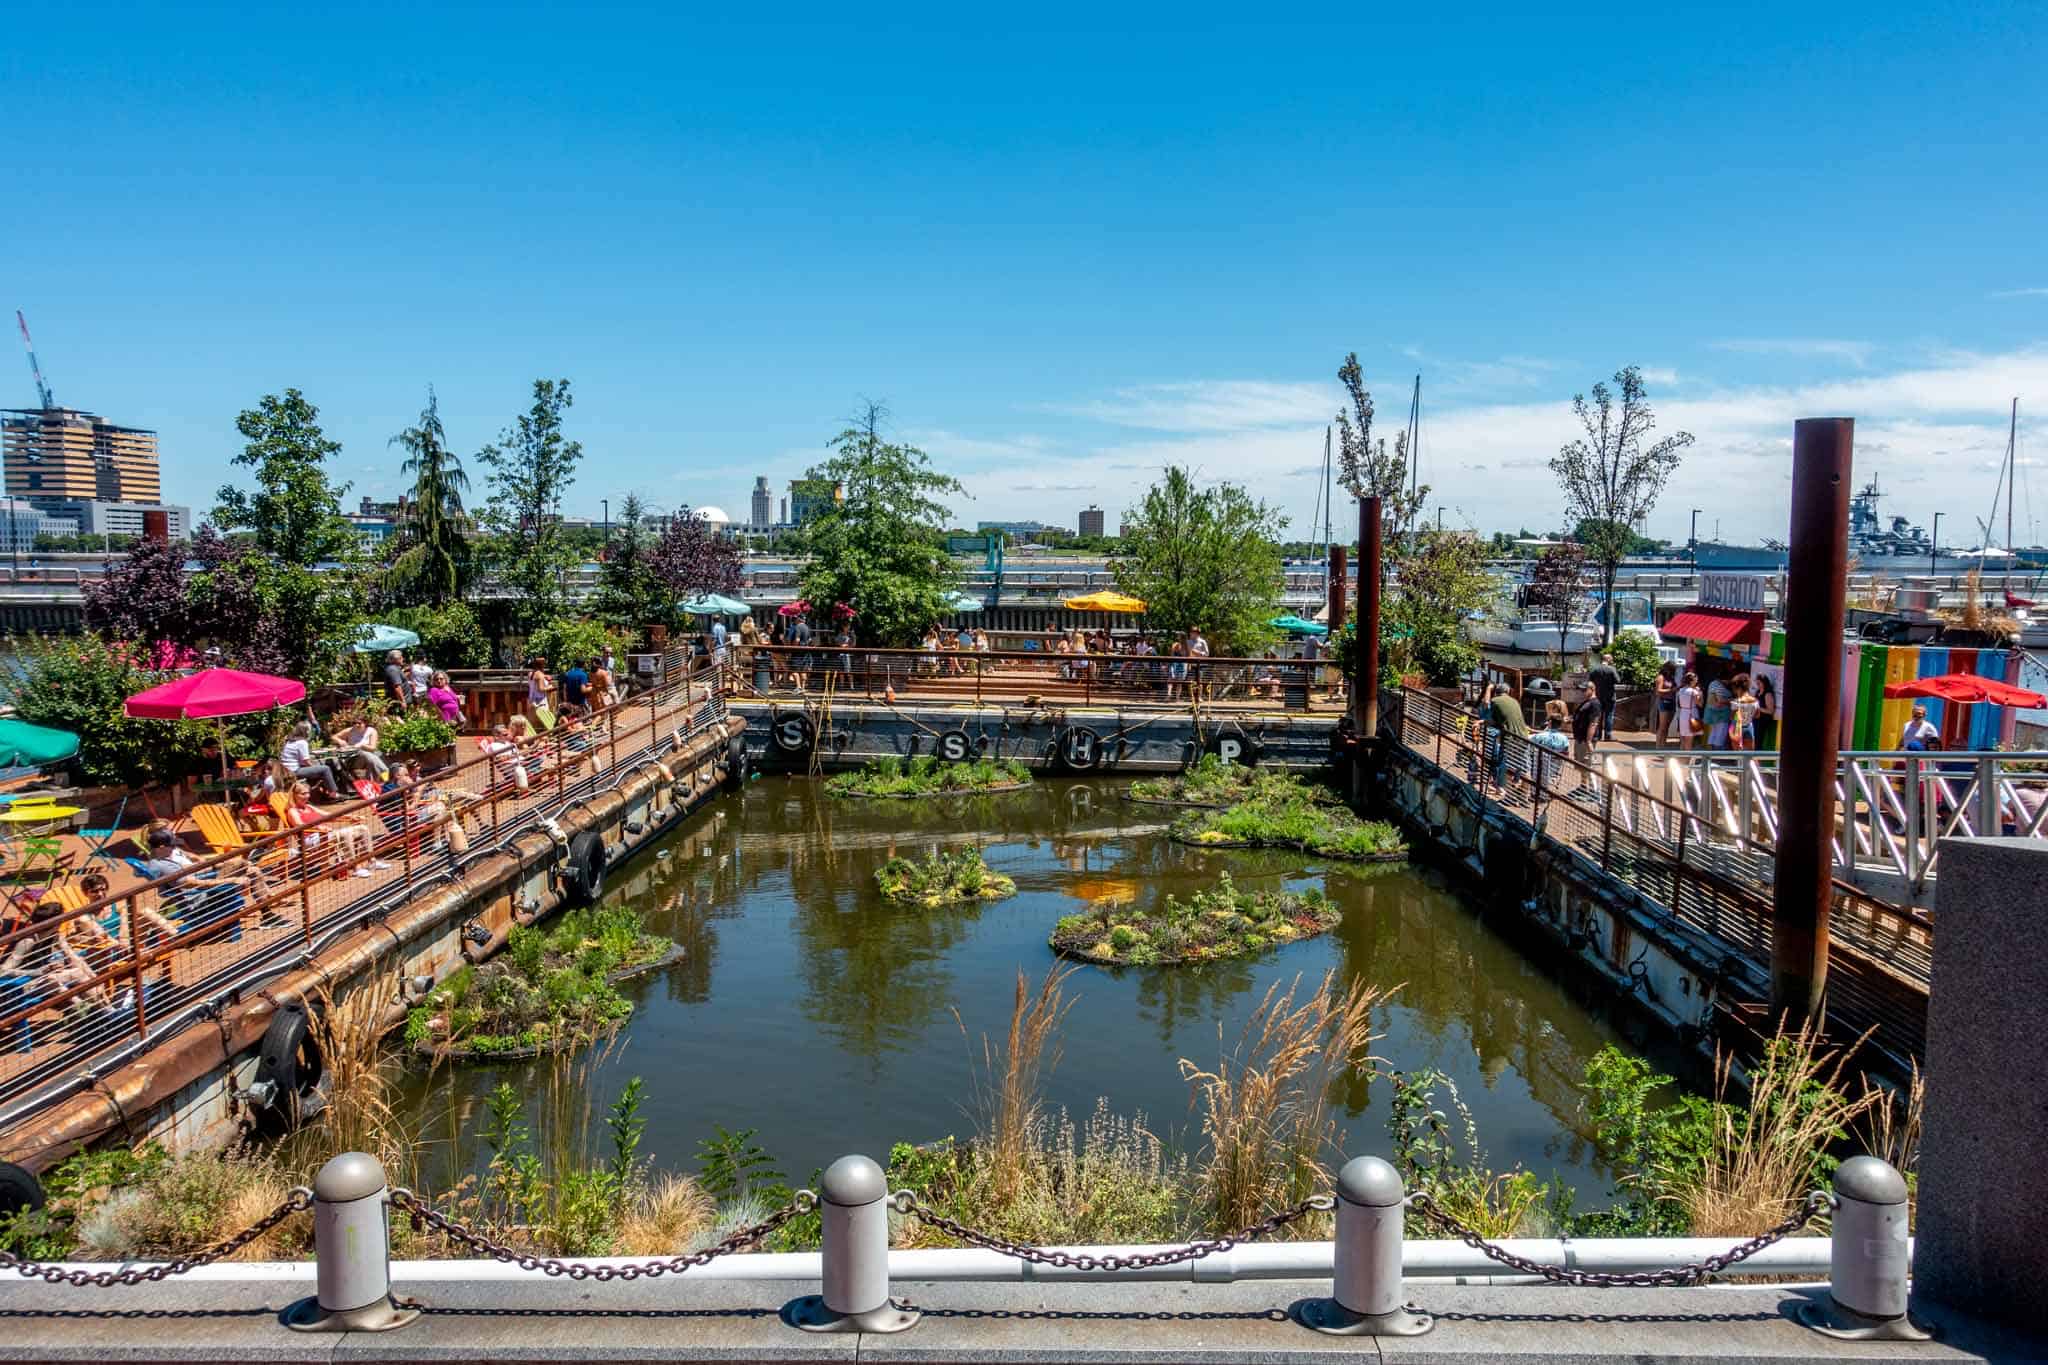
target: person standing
<point>1666,691</point>
<point>1766,713</point>
<point>1688,713</point>
<point>1503,719</point>
<point>1586,721</point>
<point>1719,713</point>
<point>538,683</point>
<point>1552,744</point>
<point>1742,724</point>
<point>1605,679</point>
<point>576,690</point>
<point>397,677</point>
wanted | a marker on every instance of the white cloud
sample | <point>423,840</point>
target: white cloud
<point>1936,430</point>
<point>1213,405</point>
<point>1856,353</point>
<point>2020,294</point>
<point>1659,376</point>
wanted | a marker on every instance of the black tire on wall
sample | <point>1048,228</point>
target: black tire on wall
<point>583,873</point>
<point>20,1191</point>
<point>290,1060</point>
<point>1077,748</point>
<point>736,763</point>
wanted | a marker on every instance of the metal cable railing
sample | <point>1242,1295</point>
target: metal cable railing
<point>149,960</point>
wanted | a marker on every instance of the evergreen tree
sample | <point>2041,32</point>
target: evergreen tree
<point>433,567</point>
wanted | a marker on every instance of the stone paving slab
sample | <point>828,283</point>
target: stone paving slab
<point>1041,1323</point>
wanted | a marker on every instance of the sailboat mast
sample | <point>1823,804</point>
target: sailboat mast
<point>1414,451</point>
<point>2012,440</point>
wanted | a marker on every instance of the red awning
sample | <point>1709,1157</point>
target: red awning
<point>1717,626</point>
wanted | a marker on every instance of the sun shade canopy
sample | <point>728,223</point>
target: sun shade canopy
<point>1716,626</point>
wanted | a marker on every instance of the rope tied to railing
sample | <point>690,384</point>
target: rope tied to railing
<point>297,1201</point>
<point>1697,1272</point>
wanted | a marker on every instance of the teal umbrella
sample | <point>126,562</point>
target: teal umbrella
<point>960,601</point>
<point>1294,625</point>
<point>715,604</point>
<point>376,639</point>
<point>30,746</point>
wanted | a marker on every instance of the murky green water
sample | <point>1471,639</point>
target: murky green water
<point>808,1010</point>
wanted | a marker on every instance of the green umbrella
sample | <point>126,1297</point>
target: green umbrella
<point>30,746</point>
<point>1294,625</point>
<point>715,604</point>
<point>376,639</point>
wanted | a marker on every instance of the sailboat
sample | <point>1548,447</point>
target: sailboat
<point>2033,630</point>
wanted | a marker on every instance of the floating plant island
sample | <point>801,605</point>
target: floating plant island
<point>891,777</point>
<point>1222,922</point>
<point>942,878</point>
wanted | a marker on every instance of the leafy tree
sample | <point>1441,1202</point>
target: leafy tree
<point>142,599</point>
<point>626,592</point>
<point>692,557</point>
<point>1443,580</point>
<point>881,551</point>
<point>450,635</point>
<point>1365,468</point>
<point>569,640</point>
<point>1203,557</point>
<point>434,566</point>
<point>532,465</point>
<point>1554,585</point>
<point>294,512</point>
<point>1635,657</point>
<point>1611,479</point>
<point>79,685</point>
<point>1588,530</point>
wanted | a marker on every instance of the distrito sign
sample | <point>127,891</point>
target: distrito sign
<point>1732,591</point>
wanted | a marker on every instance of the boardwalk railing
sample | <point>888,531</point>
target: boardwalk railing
<point>1892,807</point>
<point>1018,675</point>
<point>92,985</point>
<point>1712,877</point>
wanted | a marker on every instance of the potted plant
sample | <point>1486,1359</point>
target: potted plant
<point>421,735</point>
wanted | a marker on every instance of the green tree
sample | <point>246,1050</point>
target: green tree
<point>1443,580</point>
<point>295,511</point>
<point>882,550</point>
<point>532,464</point>
<point>1611,479</point>
<point>79,685</point>
<point>626,589</point>
<point>1203,557</point>
<point>434,566</point>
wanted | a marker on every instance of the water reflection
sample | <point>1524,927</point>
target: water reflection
<point>806,1008</point>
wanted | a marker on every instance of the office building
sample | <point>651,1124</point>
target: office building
<point>811,498</point>
<point>21,523</point>
<point>93,517</point>
<point>1091,521</point>
<point>64,455</point>
<point>764,504</point>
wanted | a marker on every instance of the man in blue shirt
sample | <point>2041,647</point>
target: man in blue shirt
<point>576,689</point>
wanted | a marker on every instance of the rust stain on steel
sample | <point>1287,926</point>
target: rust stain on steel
<point>188,1056</point>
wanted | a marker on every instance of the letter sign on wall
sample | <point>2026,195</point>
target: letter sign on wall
<point>1732,591</point>
<point>954,746</point>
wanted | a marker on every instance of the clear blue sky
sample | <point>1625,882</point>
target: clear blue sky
<point>1063,252</point>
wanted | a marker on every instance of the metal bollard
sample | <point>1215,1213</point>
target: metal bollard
<point>1867,1261</point>
<point>853,1206</point>
<point>352,1247</point>
<point>1365,1295</point>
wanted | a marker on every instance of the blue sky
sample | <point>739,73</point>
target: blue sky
<point>1064,252</point>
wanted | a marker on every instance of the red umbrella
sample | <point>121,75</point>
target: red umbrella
<point>1967,688</point>
<point>214,692</point>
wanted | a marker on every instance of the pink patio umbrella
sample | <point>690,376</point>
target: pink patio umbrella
<point>214,692</point>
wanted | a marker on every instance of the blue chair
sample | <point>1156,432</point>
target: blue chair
<point>97,839</point>
<point>201,902</point>
<point>18,991</point>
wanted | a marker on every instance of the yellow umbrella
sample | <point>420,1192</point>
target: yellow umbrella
<point>1104,601</point>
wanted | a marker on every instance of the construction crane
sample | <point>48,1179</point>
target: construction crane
<point>42,389</point>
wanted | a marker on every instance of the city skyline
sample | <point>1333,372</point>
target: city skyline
<point>1065,259</point>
